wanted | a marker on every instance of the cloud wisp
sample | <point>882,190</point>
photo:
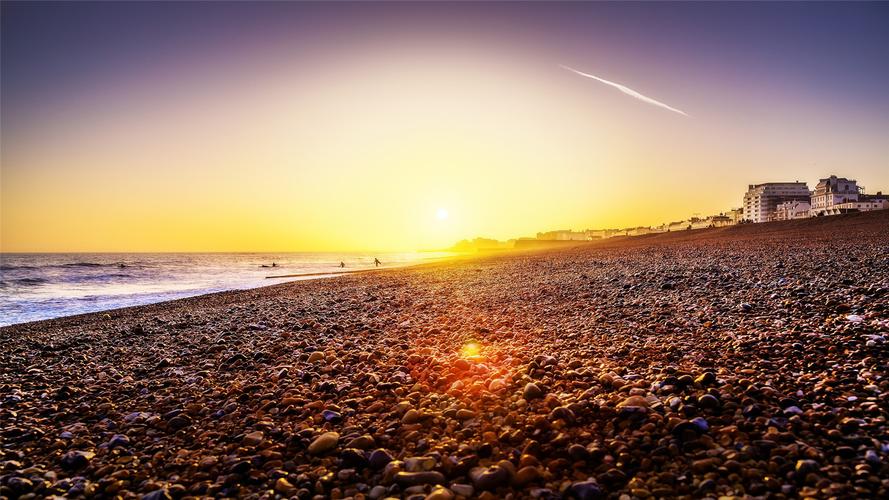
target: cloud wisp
<point>625,90</point>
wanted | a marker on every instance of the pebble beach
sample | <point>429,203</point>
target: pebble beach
<point>748,361</point>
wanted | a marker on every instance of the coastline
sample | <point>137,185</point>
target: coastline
<point>163,296</point>
<point>848,222</point>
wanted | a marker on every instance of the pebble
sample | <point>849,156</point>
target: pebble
<point>179,422</point>
<point>76,459</point>
<point>419,464</point>
<point>806,466</point>
<point>379,458</point>
<point>532,391</point>
<point>331,416</point>
<point>706,378</point>
<point>637,401</point>
<point>253,439</point>
<point>412,416</point>
<point>118,441</point>
<point>377,491</point>
<point>464,490</point>
<point>700,424</point>
<point>464,414</point>
<point>361,442</point>
<point>324,443</point>
<point>708,401</point>
<point>526,475</point>
<point>490,478</point>
<point>440,493</point>
<point>415,478</point>
<point>283,486</point>
<point>585,490</point>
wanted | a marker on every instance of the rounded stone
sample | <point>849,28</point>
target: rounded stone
<point>379,458</point>
<point>585,490</point>
<point>324,443</point>
<point>532,391</point>
<point>415,478</point>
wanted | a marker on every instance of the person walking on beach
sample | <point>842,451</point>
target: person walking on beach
<point>342,265</point>
<point>377,262</point>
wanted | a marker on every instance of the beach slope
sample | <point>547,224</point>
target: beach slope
<point>749,360</point>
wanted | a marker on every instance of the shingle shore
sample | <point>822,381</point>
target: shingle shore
<point>750,361</point>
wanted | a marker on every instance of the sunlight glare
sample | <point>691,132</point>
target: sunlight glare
<point>442,214</point>
<point>471,351</point>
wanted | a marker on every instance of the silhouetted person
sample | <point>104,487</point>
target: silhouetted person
<point>377,262</point>
<point>274,265</point>
<point>342,265</point>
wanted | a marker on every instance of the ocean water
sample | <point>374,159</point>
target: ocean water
<point>43,286</point>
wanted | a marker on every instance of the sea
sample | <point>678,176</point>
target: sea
<point>43,286</point>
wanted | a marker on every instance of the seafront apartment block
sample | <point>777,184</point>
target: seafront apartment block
<point>761,200</point>
<point>831,192</point>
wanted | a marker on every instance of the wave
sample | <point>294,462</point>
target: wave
<point>87,265</point>
<point>28,281</point>
<point>34,281</point>
<point>95,277</point>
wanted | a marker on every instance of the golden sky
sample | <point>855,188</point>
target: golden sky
<point>331,142</point>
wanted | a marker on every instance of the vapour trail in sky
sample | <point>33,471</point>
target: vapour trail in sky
<point>626,90</point>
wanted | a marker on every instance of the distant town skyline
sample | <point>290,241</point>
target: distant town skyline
<point>762,202</point>
<point>354,126</point>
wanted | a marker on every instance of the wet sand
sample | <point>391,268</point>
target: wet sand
<point>740,361</point>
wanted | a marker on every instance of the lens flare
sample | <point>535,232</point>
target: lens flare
<point>471,351</point>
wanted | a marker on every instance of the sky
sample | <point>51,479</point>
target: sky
<point>357,126</point>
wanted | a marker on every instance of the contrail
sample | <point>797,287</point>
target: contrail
<point>625,90</point>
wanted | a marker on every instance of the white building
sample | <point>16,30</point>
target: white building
<point>721,220</point>
<point>760,200</point>
<point>736,215</point>
<point>790,210</point>
<point>564,235</point>
<point>831,192</point>
<point>698,223</point>
<point>856,206</point>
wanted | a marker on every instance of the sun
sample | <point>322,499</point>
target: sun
<point>441,214</point>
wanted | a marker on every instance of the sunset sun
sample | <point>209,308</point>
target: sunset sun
<point>441,214</point>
